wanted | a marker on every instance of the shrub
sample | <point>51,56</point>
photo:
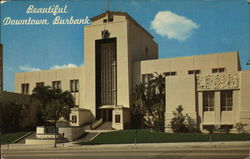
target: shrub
<point>240,127</point>
<point>177,123</point>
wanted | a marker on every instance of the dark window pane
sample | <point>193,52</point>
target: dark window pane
<point>214,70</point>
<point>221,69</point>
<point>117,118</point>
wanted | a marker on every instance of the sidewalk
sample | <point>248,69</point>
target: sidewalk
<point>141,146</point>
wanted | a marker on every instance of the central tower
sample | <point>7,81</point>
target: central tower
<point>112,43</point>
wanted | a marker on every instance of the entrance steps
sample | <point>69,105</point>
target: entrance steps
<point>104,127</point>
<point>91,134</point>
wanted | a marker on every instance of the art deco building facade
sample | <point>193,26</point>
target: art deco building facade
<point>119,53</point>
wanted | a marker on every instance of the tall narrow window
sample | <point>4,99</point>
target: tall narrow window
<point>227,100</point>
<point>74,85</point>
<point>40,84</point>
<point>73,118</point>
<point>56,84</point>
<point>25,88</point>
<point>208,101</point>
<point>117,118</point>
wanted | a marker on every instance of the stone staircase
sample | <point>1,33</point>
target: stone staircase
<point>91,134</point>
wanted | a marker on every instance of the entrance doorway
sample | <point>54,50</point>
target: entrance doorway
<point>106,76</point>
<point>106,115</point>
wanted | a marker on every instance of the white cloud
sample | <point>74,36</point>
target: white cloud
<point>2,2</point>
<point>63,66</point>
<point>28,68</point>
<point>173,26</point>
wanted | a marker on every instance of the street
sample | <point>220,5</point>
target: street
<point>178,153</point>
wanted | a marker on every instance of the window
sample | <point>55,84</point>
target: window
<point>169,73</point>
<point>147,78</point>
<point>25,88</point>
<point>56,84</point>
<point>117,118</point>
<point>73,118</point>
<point>221,69</point>
<point>208,127</point>
<point>74,85</point>
<point>105,20</point>
<point>226,126</point>
<point>40,84</point>
<point>146,51</point>
<point>190,72</point>
<point>208,101</point>
<point>218,70</point>
<point>227,100</point>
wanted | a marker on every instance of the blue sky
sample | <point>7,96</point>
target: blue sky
<point>180,27</point>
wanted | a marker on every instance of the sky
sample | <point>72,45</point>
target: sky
<point>180,27</point>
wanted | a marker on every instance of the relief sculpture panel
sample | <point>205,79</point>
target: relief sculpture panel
<point>218,81</point>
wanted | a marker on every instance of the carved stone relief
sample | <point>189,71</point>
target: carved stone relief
<point>218,81</point>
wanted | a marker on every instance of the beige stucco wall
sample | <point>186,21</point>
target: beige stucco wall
<point>47,76</point>
<point>180,90</point>
<point>181,65</point>
<point>84,116</point>
<point>244,111</point>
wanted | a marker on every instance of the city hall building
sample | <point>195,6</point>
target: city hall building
<point>119,53</point>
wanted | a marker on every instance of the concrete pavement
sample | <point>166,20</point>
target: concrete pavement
<point>71,145</point>
<point>177,153</point>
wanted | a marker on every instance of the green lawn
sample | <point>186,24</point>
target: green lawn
<point>12,136</point>
<point>147,136</point>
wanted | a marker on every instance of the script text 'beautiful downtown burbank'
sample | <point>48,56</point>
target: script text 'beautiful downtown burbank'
<point>54,10</point>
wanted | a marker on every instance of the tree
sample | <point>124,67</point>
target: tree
<point>177,123</point>
<point>59,106</point>
<point>11,115</point>
<point>149,103</point>
<point>52,103</point>
<point>40,97</point>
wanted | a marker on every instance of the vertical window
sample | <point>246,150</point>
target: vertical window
<point>146,51</point>
<point>208,101</point>
<point>74,118</point>
<point>117,118</point>
<point>74,85</point>
<point>227,100</point>
<point>25,88</point>
<point>40,84</point>
<point>56,84</point>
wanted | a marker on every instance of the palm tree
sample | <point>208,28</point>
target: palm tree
<point>51,103</point>
<point>149,98</point>
<point>40,97</point>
